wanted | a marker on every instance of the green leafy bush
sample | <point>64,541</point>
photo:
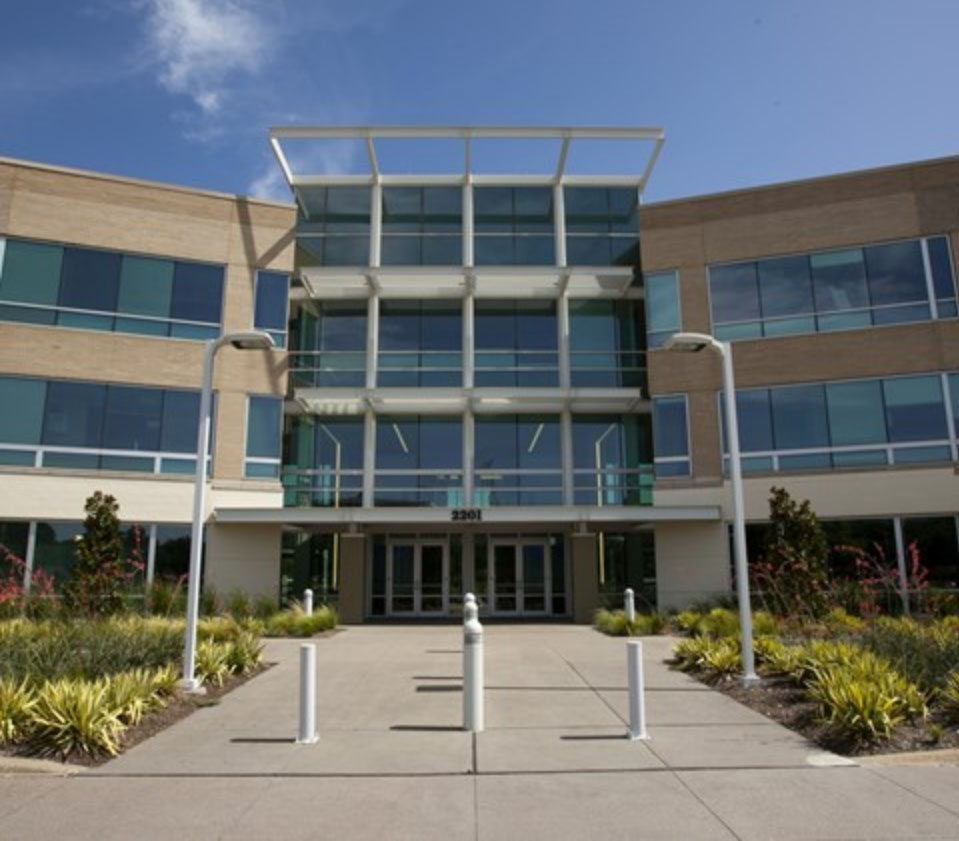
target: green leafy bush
<point>764,624</point>
<point>295,623</point>
<point>856,709</point>
<point>17,700</point>
<point>721,660</point>
<point>688,621</point>
<point>245,653</point>
<point>688,653</point>
<point>264,607</point>
<point>239,605</point>
<point>926,654</point>
<point>615,624</point>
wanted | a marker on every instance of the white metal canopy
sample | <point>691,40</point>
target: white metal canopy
<point>465,137</point>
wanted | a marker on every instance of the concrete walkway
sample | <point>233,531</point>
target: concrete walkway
<point>554,763</point>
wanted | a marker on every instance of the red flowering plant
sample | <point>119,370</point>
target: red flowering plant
<point>15,600</point>
<point>875,582</point>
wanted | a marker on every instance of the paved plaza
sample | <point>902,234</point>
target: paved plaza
<point>554,762</point>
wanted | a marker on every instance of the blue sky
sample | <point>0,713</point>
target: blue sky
<point>749,91</point>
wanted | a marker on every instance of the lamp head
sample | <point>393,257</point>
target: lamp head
<point>252,340</point>
<point>691,342</point>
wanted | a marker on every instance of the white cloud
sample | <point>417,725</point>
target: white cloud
<point>199,44</point>
<point>322,158</point>
<point>270,183</point>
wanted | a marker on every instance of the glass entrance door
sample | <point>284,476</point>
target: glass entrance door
<point>417,579</point>
<point>519,578</point>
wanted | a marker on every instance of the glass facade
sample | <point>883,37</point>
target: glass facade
<point>420,344</point>
<point>602,226</point>
<point>422,226</point>
<point>518,460</point>
<point>93,426</point>
<point>891,283</point>
<point>513,226</point>
<point>612,460</point>
<point>848,424</point>
<point>419,461</point>
<point>328,346</point>
<point>662,307</point>
<point>606,344</point>
<point>92,289</point>
<point>516,343</point>
<point>323,461</point>
<point>333,226</point>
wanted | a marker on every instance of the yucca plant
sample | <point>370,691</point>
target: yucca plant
<point>688,653</point>
<point>719,623</point>
<point>721,660</point>
<point>213,661</point>
<point>132,695</point>
<point>75,716</point>
<point>245,653</point>
<point>949,699</point>
<point>856,709</point>
<point>17,701</point>
<point>166,680</point>
<point>688,621</point>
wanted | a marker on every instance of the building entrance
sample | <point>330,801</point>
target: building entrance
<point>519,578</point>
<point>417,577</point>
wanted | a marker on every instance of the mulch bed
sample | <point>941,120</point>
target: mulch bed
<point>178,708</point>
<point>787,704</point>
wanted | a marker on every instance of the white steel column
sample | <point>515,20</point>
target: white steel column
<point>376,224</point>
<point>566,449</point>
<point>930,286</point>
<point>372,337</point>
<point>562,328</point>
<point>468,437</point>
<point>28,560</point>
<point>901,564</point>
<point>468,221</point>
<point>151,553</point>
<point>369,457</point>
<point>469,358</point>
<point>950,417</point>
<point>559,217</point>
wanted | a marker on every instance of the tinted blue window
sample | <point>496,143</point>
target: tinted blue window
<point>181,418</point>
<point>197,292</point>
<point>669,427</point>
<point>132,418</point>
<point>799,417</point>
<point>856,413</point>
<point>21,419</point>
<point>90,279</point>
<point>941,268</point>
<point>915,410</point>
<point>734,292</point>
<point>896,273</point>
<point>785,286</point>
<point>839,280</point>
<point>263,427</point>
<point>74,414</point>
<point>272,290</point>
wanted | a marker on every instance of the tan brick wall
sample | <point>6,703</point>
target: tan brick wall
<point>86,209</point>
<point>862,208</point>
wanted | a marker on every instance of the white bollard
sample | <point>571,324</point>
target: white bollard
<point>307,733</point>
<point>308,601</point>
<point>629,605</point>
<point>637,701</point>
<point>473,713</point>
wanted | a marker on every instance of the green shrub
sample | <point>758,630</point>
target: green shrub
<point>264,607</point>
<point>218,628</point>
<point>721,660</point>
<point>245,654</point>
<point>949,698</point>
<point>764,624</point>
<point>213,661</point>
<point>239,605</point>
<point>688,621</point>
<point>74,716</point>
<point>132,694</point>
<point>612,622</point>
<point>17,700</point>
<point>837,621</point>
<point>688,653</point>
<point>720,623</point>
<point>926,654</point>
<point>855,709</point>
<point>295,623</point>
<point>166,681</point>
<point>648,624</point>
<point>209,602</point>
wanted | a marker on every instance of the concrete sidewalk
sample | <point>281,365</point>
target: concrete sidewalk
<point>392,761</point>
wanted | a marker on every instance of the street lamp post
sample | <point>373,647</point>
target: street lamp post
<point>693,343</point>
<point>247,340</point>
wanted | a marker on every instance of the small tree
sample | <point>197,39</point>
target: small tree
<point>102,571</point>
<point>794,572</point>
